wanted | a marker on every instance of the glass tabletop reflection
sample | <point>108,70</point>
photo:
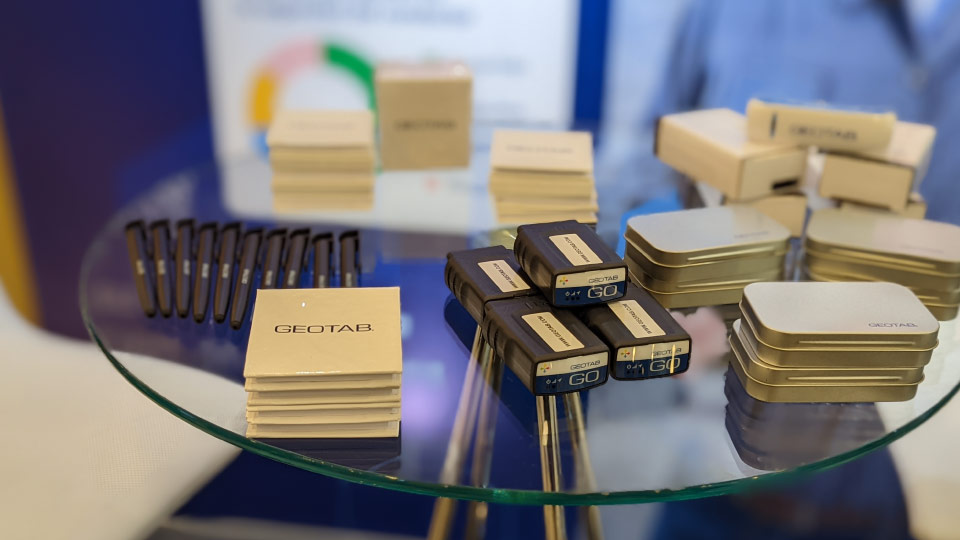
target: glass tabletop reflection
<point>469,428</point>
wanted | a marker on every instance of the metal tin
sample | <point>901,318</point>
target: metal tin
<point>716,282</point>
<point>705,270</point>
<point>839,372</point>
<point>867,357</point>
<point>934,296</point>
<point>821,393</point>
<point>839,316</point>
<point>943,313</point>
<point>825,263</point>
<point>709,297</point>
<point>918,244</point>
<point>706,235</point>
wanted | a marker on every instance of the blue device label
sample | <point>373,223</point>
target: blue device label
<point>591,294</point>
<point>647,368</point>
<point>572,374</point>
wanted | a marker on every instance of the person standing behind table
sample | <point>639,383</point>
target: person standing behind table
<point>889,54</point>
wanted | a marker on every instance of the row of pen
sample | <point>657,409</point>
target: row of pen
<point>179,268</point>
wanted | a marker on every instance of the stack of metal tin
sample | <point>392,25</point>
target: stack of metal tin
<point>865,246</point>
<point>831,342</point>
<point>705,256</point>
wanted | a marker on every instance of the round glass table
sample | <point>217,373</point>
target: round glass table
<point>470,429</point>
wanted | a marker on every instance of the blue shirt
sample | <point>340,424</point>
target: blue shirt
<point>847,52</point>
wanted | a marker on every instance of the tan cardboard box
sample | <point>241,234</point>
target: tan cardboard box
<point>711,146</point>
<point>425,114</point>
<point>824,127</point>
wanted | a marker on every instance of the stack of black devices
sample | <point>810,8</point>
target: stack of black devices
<point>560,313</point>
<point>176,272</point>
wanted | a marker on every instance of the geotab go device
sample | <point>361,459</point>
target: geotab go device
<point>477,276</point>
<point>570,263</point>
<point>551,351</point>
<point>645,340</point>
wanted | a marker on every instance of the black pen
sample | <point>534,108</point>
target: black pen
<point>206,241</point>
<point>246,267</point>
<point>295,251</point>
<point>322,256</point>
<point>226,255</point>
<point>271,258</point>
<point>183,261</point>
<point>160,231</point>
<point>139,260</point>
<point>350,259</point>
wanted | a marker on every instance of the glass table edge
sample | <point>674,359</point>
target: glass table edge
<point>499,495</point>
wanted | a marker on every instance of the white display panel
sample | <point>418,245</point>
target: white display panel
<point>263,55</point>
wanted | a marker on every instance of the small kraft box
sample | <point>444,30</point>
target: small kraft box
<point>425,114</point>
<point>819,124</point>
<point>711,146</point>
<point>884,177</point>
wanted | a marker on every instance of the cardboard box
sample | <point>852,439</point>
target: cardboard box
<point>788,209</point>
<point>886,177</point>
<point>821,126</point>
<point>425,113</point>
<point>711,146</point>
<point>916,207</point>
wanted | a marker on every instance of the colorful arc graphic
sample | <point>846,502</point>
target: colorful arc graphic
<point>290,60</point>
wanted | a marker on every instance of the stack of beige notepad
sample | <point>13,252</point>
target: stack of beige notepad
<point>542,176</point>
<point>705,256</point>
<point>920,254</point>
<point>322,160</point>
<point>324,363</point>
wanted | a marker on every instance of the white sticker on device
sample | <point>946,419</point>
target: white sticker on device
<point>503,276</point>
<point>574,249</point>
<point>552,331</point>
<point>571,365</point>
<point>653,351</point>
<point>592,278</point>
<point>636,319</point>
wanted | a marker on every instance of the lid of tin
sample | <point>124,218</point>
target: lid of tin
<point>827,315</point>
<point>706,234</point>
<point>838,372</point>
<point>825,262</point>
<point>919,244</point>
<point>926,295</point>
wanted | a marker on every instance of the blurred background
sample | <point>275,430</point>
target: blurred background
<point>101,101</point>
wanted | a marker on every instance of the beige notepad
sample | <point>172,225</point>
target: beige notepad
<point>255,384</point>
<point>711,146</point>
<point>559,151</point>
<point>372,429</point>
<point>302,201</point>
<point>425,112</point>
<point>321,129</point>
<point>322,181</point>
<point>315,332</point>
<point>333,408</point>
<point>318,397</point>
<point>332,416</point>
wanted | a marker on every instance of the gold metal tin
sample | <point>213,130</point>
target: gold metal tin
<point>709,297</point>
<point>915,244</point>
<point>934,296</point>
<point>854,315</point>
<point>704,235</point>
<point>822,393</point>
<point>867,357</point>
<point>944,312</point>
<point>838,372</point>
<point>716,282</point>
<point>825,263</point>
<point>705,270</point>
